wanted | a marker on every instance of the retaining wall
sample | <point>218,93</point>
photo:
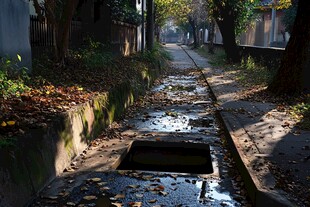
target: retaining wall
<point>41,154</point>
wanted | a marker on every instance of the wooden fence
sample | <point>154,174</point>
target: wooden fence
<point>123,38</point>
<point>42,35</point>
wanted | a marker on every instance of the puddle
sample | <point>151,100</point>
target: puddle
<point>211,192</point>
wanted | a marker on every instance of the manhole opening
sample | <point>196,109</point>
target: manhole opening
<point>167,157</point>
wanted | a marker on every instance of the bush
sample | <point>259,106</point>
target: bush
<point>121,10</point>
<point>95,55</point>
<point>12,79</point>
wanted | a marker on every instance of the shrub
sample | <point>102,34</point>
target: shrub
<point>12,78</point>
<point>95,55</point>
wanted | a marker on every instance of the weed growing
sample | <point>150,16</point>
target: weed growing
<point>301,112</point>
<point>12,79</point>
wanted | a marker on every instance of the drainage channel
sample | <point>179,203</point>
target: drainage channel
<point>176,156</point>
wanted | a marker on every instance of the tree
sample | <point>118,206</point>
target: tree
<point>232,17</point>
<point>192,12</point>
<point>162,14</point>
<point>59,14</point>
<point>288,78</point>
<point>289,16</point>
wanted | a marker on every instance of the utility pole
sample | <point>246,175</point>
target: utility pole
<point>150,25</point>
<point>142,27</point>
<point>273,21</point>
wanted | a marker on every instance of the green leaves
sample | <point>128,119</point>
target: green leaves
<point>125,12</point>
<point>12,78</point>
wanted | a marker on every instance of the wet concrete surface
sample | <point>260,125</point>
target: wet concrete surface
<point>178,109</point>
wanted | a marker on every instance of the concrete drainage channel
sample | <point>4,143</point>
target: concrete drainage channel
<point>172,154</point>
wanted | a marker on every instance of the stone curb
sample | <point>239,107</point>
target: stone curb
<point>260,188</point>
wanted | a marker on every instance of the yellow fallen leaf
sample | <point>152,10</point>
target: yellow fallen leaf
<point>95,179</point>
<point>135,204</point>
<point>11,123</point>
<point>90,197</point>
<point>3,124</point>
<point>47,92</point>
<point>117,204</point>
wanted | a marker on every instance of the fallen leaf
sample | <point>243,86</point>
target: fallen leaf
<point>3,124</point>
<point>70,204</point>
<point>133,186</point>
<point>95,179</point>
<point>104,188</point>
<point>117,204</point>
<point>102,183</point>
<point>163,193</point>
<point>139,195</point>
<point>147,177</point>
<point>90,197</point>
<point>135,204</point>
<point>51,197</point>
<point>11,123</point>
<point>84,188</point>
<point>118,196</point>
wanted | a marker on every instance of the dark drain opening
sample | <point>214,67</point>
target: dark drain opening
<point>168,157</point>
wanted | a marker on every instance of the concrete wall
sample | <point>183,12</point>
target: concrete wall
<point>259,33</point>
<point>14,30</point>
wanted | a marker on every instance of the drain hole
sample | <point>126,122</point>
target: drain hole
<point>168,157</point>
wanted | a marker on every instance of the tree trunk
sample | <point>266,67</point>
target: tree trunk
<point>62,29</point>
<point>194,28</point>
<point>288,79</point>
<point>227,28</point>
<point>211,36</point>
<point>157,32</point>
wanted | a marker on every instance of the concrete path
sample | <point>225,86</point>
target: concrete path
<point>264,140</point>
<point>177,112</point>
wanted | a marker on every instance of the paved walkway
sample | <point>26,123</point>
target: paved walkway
<point>187,164</point>
<point>263,138</point>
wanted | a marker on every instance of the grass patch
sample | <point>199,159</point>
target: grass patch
<point>301,112</point>
<point>218,59</point>
<point>248,73</point>
<point>251,73</point>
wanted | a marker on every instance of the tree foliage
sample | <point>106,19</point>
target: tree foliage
<point>124,11</point>
<point>289,17</point>
<point>232,17</point>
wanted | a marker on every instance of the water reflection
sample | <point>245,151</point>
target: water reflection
<point>211,191</point>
